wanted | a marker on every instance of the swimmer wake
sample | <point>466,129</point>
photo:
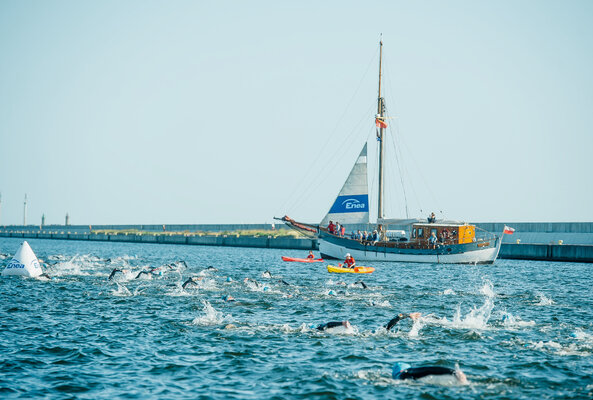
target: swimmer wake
<point>432,242</point>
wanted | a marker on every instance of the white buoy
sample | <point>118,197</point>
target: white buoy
<point>23,263</point>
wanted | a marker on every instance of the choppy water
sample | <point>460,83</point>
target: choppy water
<point>518,329</point>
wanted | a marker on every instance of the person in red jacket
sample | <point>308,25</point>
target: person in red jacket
<point>349,262</point>
<point>331,227</point>
<point>311,256</point>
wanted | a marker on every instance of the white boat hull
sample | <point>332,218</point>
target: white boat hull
<point>480,256</point>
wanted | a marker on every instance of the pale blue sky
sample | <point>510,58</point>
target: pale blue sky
<point>233,112</point>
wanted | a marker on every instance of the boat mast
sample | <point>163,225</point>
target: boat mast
<point>380,115</point>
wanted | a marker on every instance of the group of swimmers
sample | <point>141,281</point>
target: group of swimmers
<point>401,371</point>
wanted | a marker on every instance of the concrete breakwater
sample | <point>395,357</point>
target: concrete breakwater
<point>187,239</point>
<point>520,251</point>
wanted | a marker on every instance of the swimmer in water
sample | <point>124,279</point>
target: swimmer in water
<point>406,371</point>
<point>361,283</point>
<point>148,273</point>
<point>115,271</point>
<point>284,282</point>
<point>211,268</point>
<point>228,298</point>
<point>256,283</point>
<point>192,281</point>
<point>412,316</point>
<point>334,324</point>
<point>266,274</point>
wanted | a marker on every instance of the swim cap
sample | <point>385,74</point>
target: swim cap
<point>398,368</point>
<point>229,279</point>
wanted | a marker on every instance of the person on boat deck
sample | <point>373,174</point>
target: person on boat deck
<point>342,230</point>
<point>433,240</point>
<point>432,219</point>
<point>358,235</point>
<point>349,262</point>
<point>311,256</point>
<point>331,227</point>
<point>337,229</point>
<point>444,235</point>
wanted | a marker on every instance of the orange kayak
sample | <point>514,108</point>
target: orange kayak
<point>305,260</point>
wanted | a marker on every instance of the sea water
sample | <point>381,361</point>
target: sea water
<point>518,329</point>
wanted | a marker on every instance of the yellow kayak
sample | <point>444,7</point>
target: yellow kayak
<point>355,270</point>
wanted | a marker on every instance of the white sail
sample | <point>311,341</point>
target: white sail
<point>23,263</point>
<point>352,204</point>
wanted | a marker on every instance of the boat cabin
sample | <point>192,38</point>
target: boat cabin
<point>445,233</point>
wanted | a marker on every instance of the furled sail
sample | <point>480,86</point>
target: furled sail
<point>352,204</point>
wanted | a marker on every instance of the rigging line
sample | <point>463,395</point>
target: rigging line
<point>402,141</point>
<point>329,161</point>
<point>322,179</point>
<point>322,149</point>
<point>399,169</point>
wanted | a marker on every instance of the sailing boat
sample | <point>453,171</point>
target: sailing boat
<point>429,242</point>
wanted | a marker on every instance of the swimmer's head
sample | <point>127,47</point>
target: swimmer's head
<point>398,368</point>
<point>229,279</point>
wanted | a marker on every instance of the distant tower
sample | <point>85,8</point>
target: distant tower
<point>42,220</point>
<point>25,211</point>
<point>67,220</point>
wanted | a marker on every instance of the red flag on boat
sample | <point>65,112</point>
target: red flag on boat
<point>508,230</point>
<point>380,123</point>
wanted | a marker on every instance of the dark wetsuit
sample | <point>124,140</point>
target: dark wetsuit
<point>189,282</point>
<point>115,270</point>
<point>329,325</point>
<point>395,320</point>
<point>421,372</point>
<point>142,272</point>
<point>284,282</point>
<point>364,286</point>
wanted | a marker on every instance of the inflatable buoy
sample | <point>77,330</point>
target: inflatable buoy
<point>23,263</point>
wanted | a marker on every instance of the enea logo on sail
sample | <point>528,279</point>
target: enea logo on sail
<point>353,203</point>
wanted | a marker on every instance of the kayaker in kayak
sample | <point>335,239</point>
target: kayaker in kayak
<point>412,316</point>
<point>406,371</point>
<point>349,262</point>
<point>311,256</point>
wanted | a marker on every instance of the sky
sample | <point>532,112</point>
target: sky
<point>200,112</point>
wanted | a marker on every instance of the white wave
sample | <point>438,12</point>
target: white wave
<point>331,282</point>
<point>543,300</point>
<point>487,289</point>
<point>416,326</point>
<point>381,304</point>
<point>579,334</point>
<point>510,321</point>
<point>572,349</point>
<point>121,291</point>
<point>448,292</point>
<point>211,316</point>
